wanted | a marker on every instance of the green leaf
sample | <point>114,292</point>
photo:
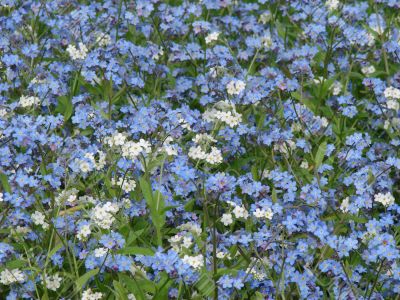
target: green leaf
<point>190,205</point>
<point>356,75</point>
<point>4,182</point>
<point>274,196</point>
<point>118,95</point>
<point>18,263</point>
<point>65,107</point>
<point>156,162</point>
<point>45,296</point>
<point>205,285</point>
<point>319,156</point>
<point>55,249</point>
<point>120,290</point>
<point>136,250</point>
<point>307,102</point>
<point>146,190</point>
<point>163,287</point>
<point>254,172</point>
<point>81,281</point>
<point>133,236</point>
<point>258,296</point>
<point>156,203</point>
<point>132,286</point>
<point>371,177</point>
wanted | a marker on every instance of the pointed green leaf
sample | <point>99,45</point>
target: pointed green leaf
<point>319,156</point>
<point>81,281</point>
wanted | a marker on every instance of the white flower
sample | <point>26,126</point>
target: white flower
<point>322,120</point>
<point>8,277</point>
<point>131,297</point>
<point>266,41</point>
<point>370,39</point>
<point>385,199</point>
<point>100,252</point>
<point>304,164</point>
<point>257,273</point>
<point>158,54</point>
<point>393,104</point>
<point>127,185</point>
<point>84,166</point>
<point>103,39</point>
<point>197,153</point>
<point>296,127</point>
<point>214,157</point>
<point>132,149</point>
<point>194,261</point>
<point>192,227</point>
<point>102,160</point>
<point>169,148</point>
<point>77,54</point>
<point>84,232</point>
<point>213,36</point>
<point>336,88</point>
<point>235,87</point>
<point>367,70</point>
<point>265,17</point>
<point>118,139</point>
<point>240,212</point>
<point>146,146</point>
<point>332,4</point>
<point>203,138</point>
<point>52,282</point>
<point>263,213</point>
<point>39,219</point>
<point>344,207</point>
<point>89,295</point>
<point>226,219</point>
<point>187,242</point>
<point>386,125</point>
<point>232,118</point>
<point>102,216</point>
<point>222,255</point>
<point>392,93</point>
<point>69,196</point>
<point>26,101</point>
<point>1,197</point>
<point>285,147</point>
<point>22,230</point>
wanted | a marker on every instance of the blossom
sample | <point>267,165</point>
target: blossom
<point>38,218</point>
<point>196,262</point>
<point>27,101</point>
<point>213,36</point>
<point>263,213</point>
<point>392,93</point>
<point>8,277</point>
<point>226,219</point>
<point>90,295</point>
<point>52,282</point>
<point>240,212</point>
<point>79,53</point>
<point>102,215</point>
<point>235,87</point>
<point>332,4</point>
<point>386,199</point>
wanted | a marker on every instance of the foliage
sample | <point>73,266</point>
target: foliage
<point>203,149</point>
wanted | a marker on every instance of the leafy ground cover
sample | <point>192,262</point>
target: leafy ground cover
<point>210,149</point>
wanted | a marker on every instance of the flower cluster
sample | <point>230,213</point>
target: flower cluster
<point>213,149</point>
